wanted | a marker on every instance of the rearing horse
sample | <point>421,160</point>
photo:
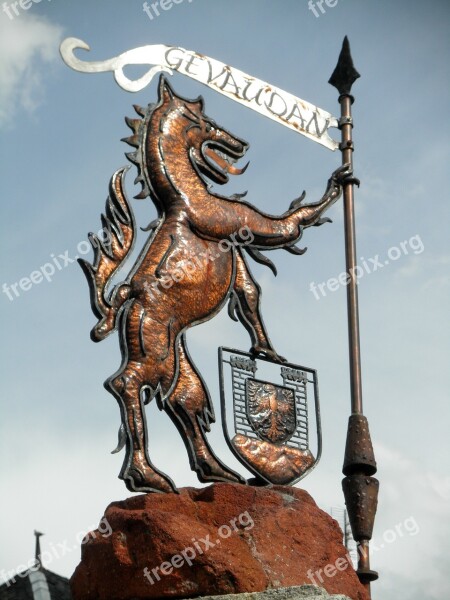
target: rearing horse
<point>176,148</point>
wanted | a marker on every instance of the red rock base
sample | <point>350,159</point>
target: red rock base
<point>223,539</point>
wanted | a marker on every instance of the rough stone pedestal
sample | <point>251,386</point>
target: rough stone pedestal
<point>222,539</point>
<point>303,592</point>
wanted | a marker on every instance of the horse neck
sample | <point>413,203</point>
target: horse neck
<point>171,171</point>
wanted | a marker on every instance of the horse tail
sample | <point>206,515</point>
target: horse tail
<point>118,237</point>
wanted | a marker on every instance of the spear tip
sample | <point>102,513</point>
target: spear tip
<point>345,74</point>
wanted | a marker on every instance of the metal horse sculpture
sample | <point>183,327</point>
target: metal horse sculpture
<point>176,147</point>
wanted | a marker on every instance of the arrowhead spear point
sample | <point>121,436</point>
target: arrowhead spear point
<point>345,74</point>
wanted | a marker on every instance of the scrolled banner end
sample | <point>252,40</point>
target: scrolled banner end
<point>260,96</point>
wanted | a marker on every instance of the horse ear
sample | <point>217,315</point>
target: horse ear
<point>166,93</point>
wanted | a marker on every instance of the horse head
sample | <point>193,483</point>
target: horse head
<point>177,133</point>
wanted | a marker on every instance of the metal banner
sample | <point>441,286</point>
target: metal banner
<point>267,425</point>
<point>266,99</point>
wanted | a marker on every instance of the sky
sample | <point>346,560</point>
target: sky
<point>60,143</point>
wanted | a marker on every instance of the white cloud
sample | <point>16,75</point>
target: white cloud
<point>28,46</point>
<point>411,529</point>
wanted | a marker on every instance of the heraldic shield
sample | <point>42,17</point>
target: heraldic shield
<point>266,424</point>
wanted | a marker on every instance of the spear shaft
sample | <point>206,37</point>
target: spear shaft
<point>346,126</point>
<point>360,489</point>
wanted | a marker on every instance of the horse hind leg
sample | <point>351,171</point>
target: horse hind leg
<point>139,474</point>
<point>189,406</point>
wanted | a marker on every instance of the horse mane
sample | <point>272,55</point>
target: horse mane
<point>142,128</point>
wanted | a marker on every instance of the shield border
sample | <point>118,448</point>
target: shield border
<point>312,372</point>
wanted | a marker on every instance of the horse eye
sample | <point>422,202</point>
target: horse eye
<point>208,127</point>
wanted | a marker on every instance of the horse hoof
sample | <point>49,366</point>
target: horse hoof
<point>208,472</point>
<point>136,481</point>
<point>268,353</point>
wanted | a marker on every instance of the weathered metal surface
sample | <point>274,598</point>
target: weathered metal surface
<point>359,455</point>
<point>262,97</point>
<point>361,499</point>
<point>343,77</point>
<point>345,74</point>
<point>280,465</point>
<point>360,489</point>
<point>267,425</point>
<point>192,263</point>
<point>271,410</point>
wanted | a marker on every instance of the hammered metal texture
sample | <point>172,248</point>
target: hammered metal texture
<point>192,263</point>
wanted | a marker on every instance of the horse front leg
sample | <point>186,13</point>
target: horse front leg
<point>310,214</point>
<point>245,304</point>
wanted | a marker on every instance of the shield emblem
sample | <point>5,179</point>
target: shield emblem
<point>271,410</point>
<point>267,424</point>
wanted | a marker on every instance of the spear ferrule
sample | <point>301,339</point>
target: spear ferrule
<point>359,487</point>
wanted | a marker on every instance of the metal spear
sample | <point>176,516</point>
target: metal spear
<point>360,489</point>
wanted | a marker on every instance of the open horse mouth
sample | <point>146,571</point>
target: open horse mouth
<point>219,156</point>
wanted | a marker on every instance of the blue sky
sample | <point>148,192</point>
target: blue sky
<point>61,134</point>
